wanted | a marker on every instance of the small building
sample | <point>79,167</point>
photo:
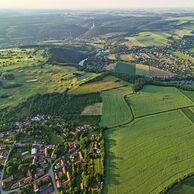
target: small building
<point>33,151</point>
<point>35,186</point>
<point>58,184</point>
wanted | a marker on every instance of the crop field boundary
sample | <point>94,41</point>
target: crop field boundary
<point>189,114</point>
<point>136,119</point>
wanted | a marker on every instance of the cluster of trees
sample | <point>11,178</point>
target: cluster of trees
<point>19,167</point>
<point>70,54</point>
<point>7,76</point>
<point>58,105</point>
<point>137,81</point>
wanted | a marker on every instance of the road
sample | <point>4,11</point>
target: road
<point>49,173</point>
<point>3,171</point>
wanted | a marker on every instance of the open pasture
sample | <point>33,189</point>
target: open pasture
<point>189,94</point>
<point>125,68</point>
<point>149,155</point>
<point>152,39</point>
<point>132,42</point>
<point>141,69</point>
<point>24,73</point>
<point>115,109</point>
<point>156,99</point>
<point>107,83</point>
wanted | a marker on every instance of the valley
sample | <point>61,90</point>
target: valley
<point>97,103</point>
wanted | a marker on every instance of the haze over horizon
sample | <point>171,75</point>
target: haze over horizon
<point>87,4</point>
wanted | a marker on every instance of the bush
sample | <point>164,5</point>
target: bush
<point>8,76</point>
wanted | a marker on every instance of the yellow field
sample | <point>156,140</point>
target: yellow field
<point>131,42</point>
<point>107,83</point>
<point>126,57</point>
<point>142,69</point>
<point>112,57</point>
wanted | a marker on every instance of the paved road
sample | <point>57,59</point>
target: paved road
<point>3,171</point>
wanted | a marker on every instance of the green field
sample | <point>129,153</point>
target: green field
<point>115,109</point>
<point>152,39</point>
<point>133,69</point>
<point>24,73</point>
<point>189,113</point>
<point>125,68</point>
<point>155,99</point>
<point>189,94</point>
<point>149,154</point>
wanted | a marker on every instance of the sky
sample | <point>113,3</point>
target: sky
<point>86,4</point>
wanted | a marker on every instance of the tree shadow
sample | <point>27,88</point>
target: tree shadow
<point>112,178</point>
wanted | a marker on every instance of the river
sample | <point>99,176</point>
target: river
<point>81,63</point>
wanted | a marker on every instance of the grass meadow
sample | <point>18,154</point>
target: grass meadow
<point>107,83</point>
<point>149,155</point>
<point>156,99</point>
<point>31,75</point>
<point>115,109</point>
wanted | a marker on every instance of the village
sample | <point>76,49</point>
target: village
<point>40,166</point>
<point>167,57</point>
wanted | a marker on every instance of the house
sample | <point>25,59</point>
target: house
<point>53,155</point>
<point>58,184</point>
<point>29,173</point>
<point>34,160</point>
<point>72,133</point>
<point>28,179</point>
<point>81,186</point>
<point>62,162</point>
<point>39,174</point>
<point>44,179</point>
<point>14,186</point>
<point>56,176</point>
<point>8,179</point>
<point>64,170</point>
<point>35,186</point>
<point>33,151</point>
<point>68,176</point>
<point>80,156</point>
<point>46,152</point>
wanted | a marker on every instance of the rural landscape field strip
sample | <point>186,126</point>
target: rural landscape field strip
<point>156,99</point>
<point>136,154</point>
<point>155,150</point>
<point>115,109</point>
<point>189,113</point>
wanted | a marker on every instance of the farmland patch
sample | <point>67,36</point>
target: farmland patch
<point>155,99</point>
<point>149,154</point>
<point>115,109</point>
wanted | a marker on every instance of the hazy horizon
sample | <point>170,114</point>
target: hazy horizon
<point>94,4</point>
